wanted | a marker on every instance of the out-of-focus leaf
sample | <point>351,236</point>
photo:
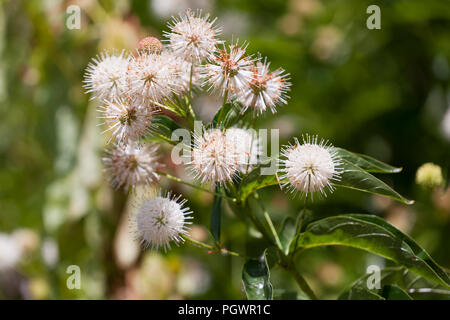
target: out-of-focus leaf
<point>255,181</point>
<point>393,292</point>
<point>256,279</point>
<point>348,230</point>
<point>353,177</point>
<point>366,163</point>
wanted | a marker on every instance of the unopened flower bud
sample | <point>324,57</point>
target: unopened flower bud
<point>150,45</point>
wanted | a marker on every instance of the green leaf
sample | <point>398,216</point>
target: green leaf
<point>366,163</point>
<point>359,290</point>
<point>162,128</point>
<point>393,292</point>
<point>216,216</point>
<point>226,116</point>
<point>353,177</point>
<point>417,250</point>
<point>255,181</point>
<point>355,231</point>
<point>287,233</point>
<point>360,293</point>
<point>256,279</point>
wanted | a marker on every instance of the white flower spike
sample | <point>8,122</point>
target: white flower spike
<point>229,70</point>
<point>132,165</point>
<point>160,220</point>
<point>153,77</point>
<point>193,36</point>
<point>246,147</point>
<point>105,76</point>
<point>126,119</point>
<point>213,159</point>
<point>265,89</point>
<point>311,166</point>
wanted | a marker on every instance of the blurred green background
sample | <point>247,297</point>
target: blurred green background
<point>381,92</point>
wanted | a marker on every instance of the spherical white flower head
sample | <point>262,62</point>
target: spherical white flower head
<point>229,70</point>
<point>162,220</point>
<point>152,76</point>
<point>246,147</point>
<point>125,119</point>
<point>106,76</point>
<point>132,165</point>
<point>193,36</point>
<point>311,166</point>
<point>212,158</point>
<point>265,89</point>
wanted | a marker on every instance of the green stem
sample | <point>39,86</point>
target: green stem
<point>225,99</point>
<point>289,265</point>
<point>210,247</point>
<point>176,179</point>
<point>269,222</point>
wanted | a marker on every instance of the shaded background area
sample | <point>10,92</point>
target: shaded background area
<point>381,92</point>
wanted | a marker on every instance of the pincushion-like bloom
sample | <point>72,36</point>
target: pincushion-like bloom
<point>152,76</point>
<point>125,118</point>
<point>310,166</point>
<point>132,164</point>
<point>161,220</point>
<point>246,147</point>
<point>193,36</point>
<point>106,76</point>
<point>229,70</point>
<point>265,89</point>
<point>213,159</point>
<point>429,175</point>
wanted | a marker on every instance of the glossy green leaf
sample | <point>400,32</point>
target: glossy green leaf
<point>255,181</point>
<point>366,163</point>
<point>358,232</point>
<point>287,233</point>
<point>256,279</point>
<point>393,292</point>
<point>353,177</point>
<point>216,216</point>
<point>417,250</point>
<point>359,290</point>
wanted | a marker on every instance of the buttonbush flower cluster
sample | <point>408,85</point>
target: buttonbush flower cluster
<point>145,94</point>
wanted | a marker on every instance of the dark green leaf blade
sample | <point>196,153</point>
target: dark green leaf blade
<point>353,177</point>
<point>393,292</point>
<point>418,251</point>
<point>366,163</point>
<point>255,181</point>
<point>256,279</point>
<point>349,231</point>
<point>287,233</point>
